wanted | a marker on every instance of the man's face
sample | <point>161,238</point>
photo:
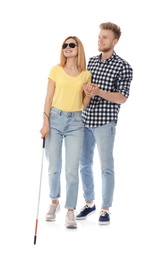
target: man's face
<point>106,41</point>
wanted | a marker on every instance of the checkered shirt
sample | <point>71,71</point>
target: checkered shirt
<point>111,75</point>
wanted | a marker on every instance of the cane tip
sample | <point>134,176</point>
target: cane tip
<point>35,238</point>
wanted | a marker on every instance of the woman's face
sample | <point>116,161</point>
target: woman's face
<point>70,48</point>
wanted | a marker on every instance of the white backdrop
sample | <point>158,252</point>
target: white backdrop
<point>31,35</point>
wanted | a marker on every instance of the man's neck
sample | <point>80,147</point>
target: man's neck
<point>106,55</point>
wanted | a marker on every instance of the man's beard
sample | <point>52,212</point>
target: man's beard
<point>104,49</point>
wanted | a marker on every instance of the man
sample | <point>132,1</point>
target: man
<point>110,87</point>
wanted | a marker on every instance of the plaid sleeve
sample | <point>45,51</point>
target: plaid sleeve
<point>124,79</point>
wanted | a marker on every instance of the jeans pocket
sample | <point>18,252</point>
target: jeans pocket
<point>53,115</point>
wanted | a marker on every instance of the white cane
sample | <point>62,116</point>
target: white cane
<point>36,225</point>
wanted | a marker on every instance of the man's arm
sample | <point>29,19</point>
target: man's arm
<point>114,97</point>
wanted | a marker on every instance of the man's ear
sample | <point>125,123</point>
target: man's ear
<point>115,41</point>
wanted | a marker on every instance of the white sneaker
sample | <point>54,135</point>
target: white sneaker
<point>70,221</point>
<point>51,214</point>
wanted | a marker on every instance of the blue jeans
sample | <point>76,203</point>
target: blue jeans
<point>65,126</point>
<point>103,137</point>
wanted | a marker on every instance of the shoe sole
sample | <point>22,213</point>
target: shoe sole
<point>104,223</point>
<point>82,218</point>
<point>71,226</point>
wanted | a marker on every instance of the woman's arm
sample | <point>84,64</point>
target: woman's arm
<point>86,98</point>
<point>48,103</point>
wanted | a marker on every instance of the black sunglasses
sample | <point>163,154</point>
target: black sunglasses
<point>71,45</point>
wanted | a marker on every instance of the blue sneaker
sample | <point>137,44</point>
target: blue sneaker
<point>104,218</point>
<point>85,212</point>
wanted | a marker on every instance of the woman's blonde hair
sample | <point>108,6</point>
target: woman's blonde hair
<point>81,59</point>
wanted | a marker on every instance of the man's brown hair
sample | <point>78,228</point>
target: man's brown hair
<point>113,27</point>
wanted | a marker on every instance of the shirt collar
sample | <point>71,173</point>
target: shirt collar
<point>107,60</point>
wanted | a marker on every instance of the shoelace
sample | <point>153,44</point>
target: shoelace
<point>104,212</point>
<point>85,207</point>
<point>52,209</point>
<point>71,215</point>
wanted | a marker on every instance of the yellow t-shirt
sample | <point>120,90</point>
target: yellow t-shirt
<point>68,94</point>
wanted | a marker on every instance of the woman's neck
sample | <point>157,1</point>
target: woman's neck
<point>71,68</point>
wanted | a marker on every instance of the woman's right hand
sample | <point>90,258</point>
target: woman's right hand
<point>44,131</point>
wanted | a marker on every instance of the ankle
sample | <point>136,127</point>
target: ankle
<point>106,209</point>
<point>70,210</point>
<point>89,201</point>
<point>90,204</point>
<point>55,202</point>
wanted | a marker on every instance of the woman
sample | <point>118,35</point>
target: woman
<point>64,102</point>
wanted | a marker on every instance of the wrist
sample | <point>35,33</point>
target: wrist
<point>45,115</point>
<point>100,92</point>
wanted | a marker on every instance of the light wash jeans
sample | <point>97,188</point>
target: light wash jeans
<point>65,126</point>
<point>103,137</point>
